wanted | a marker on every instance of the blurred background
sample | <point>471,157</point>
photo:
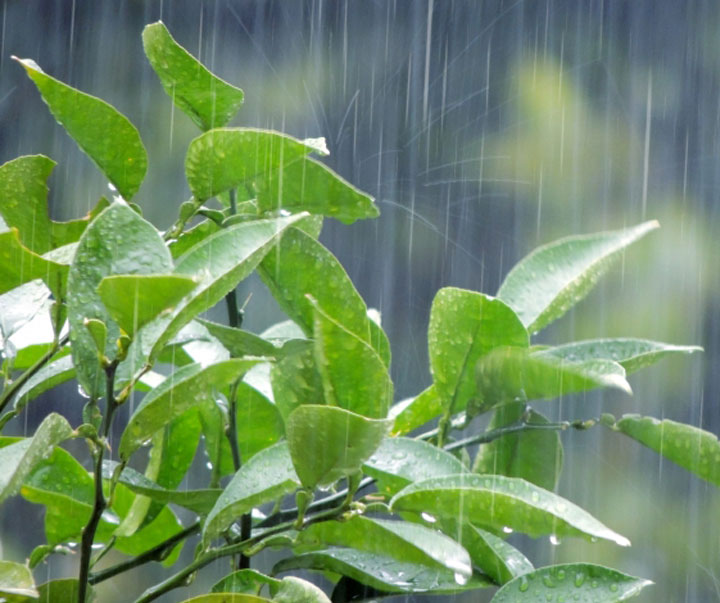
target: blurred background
<point>483,129</point>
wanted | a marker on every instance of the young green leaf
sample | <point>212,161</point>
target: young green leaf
<point>178,393</point>
<point>327,442</point>
<point>554,277</point>
<point>694,449</point>
<point>571,582</point>
<point>265,477</point>
<point>209,101</point>
<point>534,455</point>
<point>414,412</point>
<point>19,265</point>
<point>464,326</point>
<point>16,582</point>
<point>631,354</point>
<point>104,134</point>
<point>497,501</point>
<point>383,572</point>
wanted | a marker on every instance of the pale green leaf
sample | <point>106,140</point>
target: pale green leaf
<point>296,381</point>
<point>55,372</point>
<point>16,581</point>
<point>246,581</point>
<point>296,590</point>
<point>64,233</point>
<point>414,412</point>
<point>19,265</point>
<point>226,598</point>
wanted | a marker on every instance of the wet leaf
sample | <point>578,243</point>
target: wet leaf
<point>246,581</point>
<point>191,237</point>
<point>133,300</point>
<point>259,423</point>
<point>104,134</point>
<point>19,265</point>
<point>571,582</point>
<point>465,325</point>
<point>64,589</point>
<point>265,477</point>
<point>18,307</point>
<point>327,442</point>
<point>550,280</point>
<point>692,448</point>
<point>239,342</point>
<point>226,598</point>
<point>16,581</point>
<point>209,101</point>
<point>382,572</point>
<point>296,381</point>
<point>64,233</point>
<point>54,373</point>
<point>534,455</point>
<point>178,393</point>
<point>414,412</point>
<point>296,590</point>
<point>497,501</point>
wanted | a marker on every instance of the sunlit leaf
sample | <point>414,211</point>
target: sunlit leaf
<point>205,98</point>
<point>16,581</point>
<point>571,582</point>
<point>106,136</point>
<point>414,412</point>
<point>550,280</point>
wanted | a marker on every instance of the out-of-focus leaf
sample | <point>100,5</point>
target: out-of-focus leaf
<point>133,300</point>
<point>414,412</point>
<point>19,265</point>
<point>497,501</point>
<point>246,581</point>
<point>18,460</point>
<point>534,455</point>
<point>16,581</point>
<point>106,136</point>
<point>226,598</point>
<point>64,589</point>
<point>54,373</point>
<point>571,582</point>
<point>204,97</point>
<point>382,572</point>
<point>296,590</point>
<point>400,461</point>
<point>553,278</point>
<point>174,396</point>
<point>265,477</point>
<point>118,241</point>
<point>631,354</point>
<point>465,325</point>
<point>327,442</point>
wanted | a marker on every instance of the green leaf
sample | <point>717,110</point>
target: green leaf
<point>414,412</point>
<point>296,381</point>
<point>265,477</point>
<point>327,443</point>
<point>296,590</point>
<point>571,582</point>
<point>19,265</point>
<point>507,374</point>
<point>354,376</point>
<point>497,501</point>
<point>54,373</point>
<point>382,572</point>
<point>18,460</point>
<point>690,447</point>
<point>64,233</point>
<point>239,342</point>
<point>133,300</point>
<point>104,134</point>
<point>18,307</point>
<point>401,540</point>
<point>464,326</point>
<point>226,598</point>
<point>246,581</point>
<point>631,354</point>
<point>23,199</point>
<point>64,589</point>
<point>204,97</point>
<point>179,392</point>
<point>16,581</point>
<point>259,423</point>
<point>191,237</point>
<point>548,282</point>
<point>534,455</point>
<point>400,461</point>
<point>118,241</point>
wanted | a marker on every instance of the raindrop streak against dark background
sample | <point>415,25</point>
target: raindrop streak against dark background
<point>482,129</point>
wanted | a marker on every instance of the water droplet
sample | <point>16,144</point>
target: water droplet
<point>209,465</point>
<point>507,530</point>
<point>560,575</point>
<point>461,579</point>
<point>82,392</point>
<point>524,584</point>
<point>579,579</point>
<point>548,581</point>
<point>613,587</point>
<point>554,540</point>
<point>427,517</point>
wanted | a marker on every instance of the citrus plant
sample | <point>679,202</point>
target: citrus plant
<point>306,449</point>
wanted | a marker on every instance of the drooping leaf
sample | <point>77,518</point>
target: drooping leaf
<point>690,447</point>
<point>354,376</point>
<point>414,412</point>
<point>19,459</point>
<point>464,326</point>
<point>400,461</point>
<point>534,455</point>
<point>265,477</point>
<point>104,134</point>
<point>209,101</point>
<point>19,265</point>
<point>16,581</point>
<point>497,501</point>
<point>631,354</point>
<point>401,540</point>
<point>507,374</point>
<point>383,572</point>
<point>571,582</point>
<point>327,442</point>
<point>133,300</point>
<point>57,371</point>
<point>118,241</point>
<point>554,277</point>
<point>23,199</point>
<point>178,393</point>
<point>239,342</point>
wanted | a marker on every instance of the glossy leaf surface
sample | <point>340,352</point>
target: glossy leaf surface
<point>296,381</point>
<point>19,265</point>
<point>414,412</point>
<point>247,581</point>
<point>16,581</point>
<point>239,342</point>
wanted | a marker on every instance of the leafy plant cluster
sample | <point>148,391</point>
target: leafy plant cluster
<point>304,409</point>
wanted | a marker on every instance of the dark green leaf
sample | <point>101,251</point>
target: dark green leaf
<point>327,442</point>
<point>501,502</point>
<point>106,136</point>
<point>16,581</point>
<point>191,237</point>
<point>571,582</point>
<point>414,412</point>
<point>548,282</point>
<point>205,98</point>
<point>19,265</point>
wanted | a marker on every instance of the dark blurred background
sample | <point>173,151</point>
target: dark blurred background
<point>483,129</point>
